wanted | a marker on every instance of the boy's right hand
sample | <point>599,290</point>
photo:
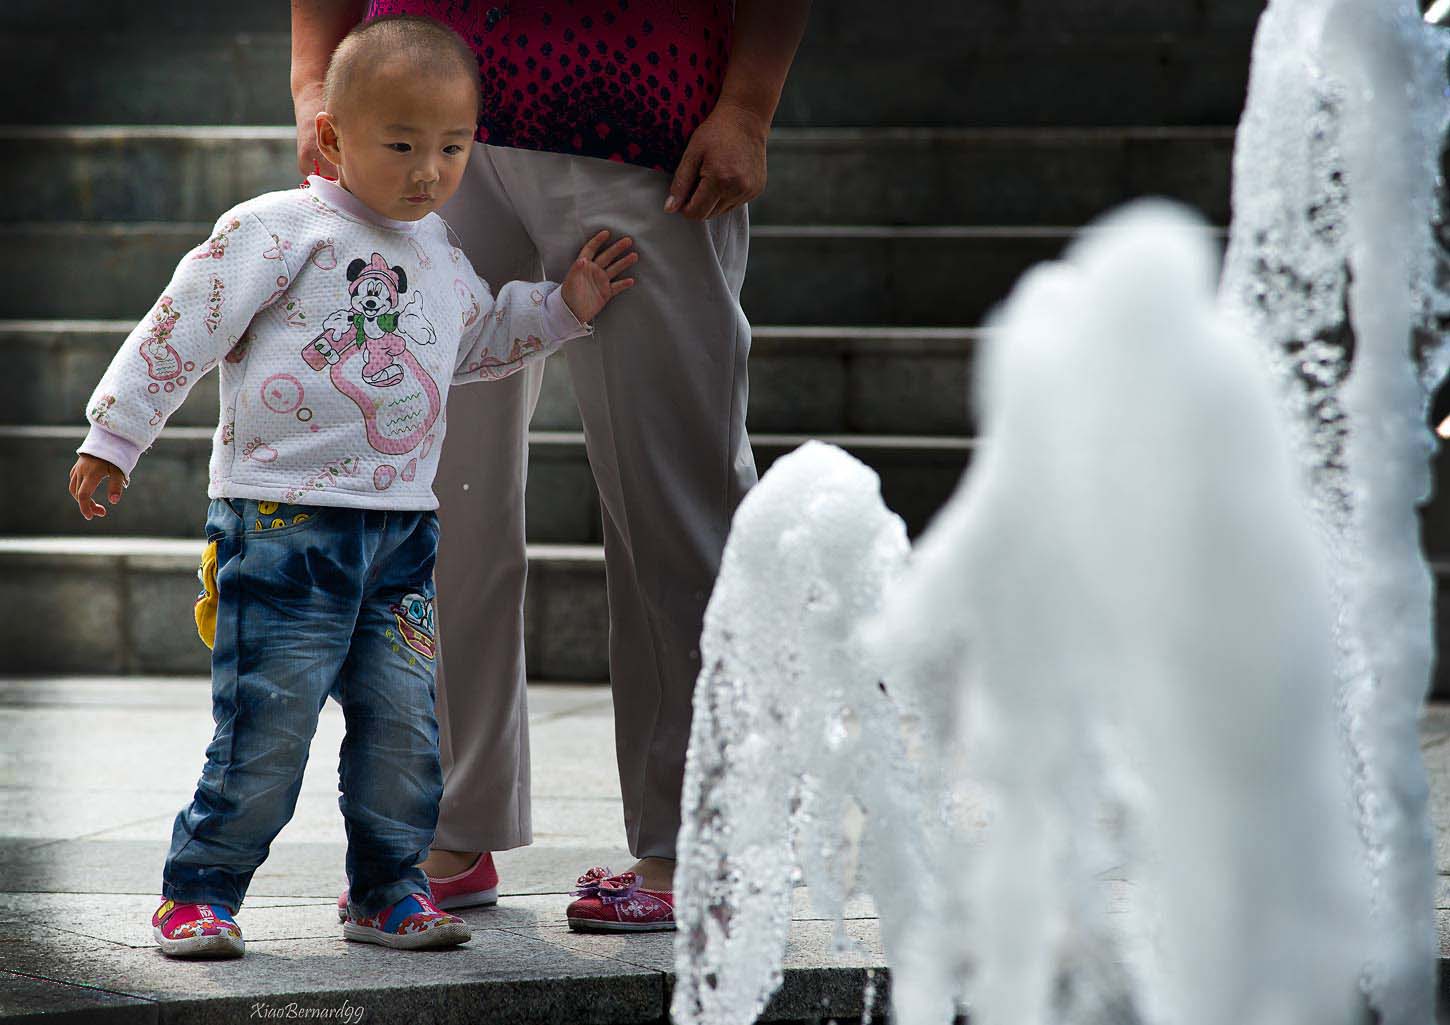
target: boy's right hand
<point>86,475</point>
<point>594,279</point>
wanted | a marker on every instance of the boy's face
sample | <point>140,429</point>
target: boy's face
<point>403,139</point>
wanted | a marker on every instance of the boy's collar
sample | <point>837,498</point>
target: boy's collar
<point>333,194</point>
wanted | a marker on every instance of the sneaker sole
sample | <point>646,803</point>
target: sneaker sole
<point>481,899</point>
<point>200,946</point>
<point>594,925</point>
<point>442,936</point>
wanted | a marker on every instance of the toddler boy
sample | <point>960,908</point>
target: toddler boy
<point>338,315</point>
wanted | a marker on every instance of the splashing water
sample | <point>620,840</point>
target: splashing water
<point>1331,265</point>
<point>1144,633</point>
<point>1125,643</point>
<point>796,752</point>
<point>1127,623</point>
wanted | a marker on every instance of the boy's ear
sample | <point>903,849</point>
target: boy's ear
<point>327,139</point>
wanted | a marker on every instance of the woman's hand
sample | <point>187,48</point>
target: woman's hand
<point>86,476</point>
<point>723,165</point>
<point>305,104</point>
<point>595,277</point>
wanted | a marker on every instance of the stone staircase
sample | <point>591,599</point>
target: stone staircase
<point>922,160</point>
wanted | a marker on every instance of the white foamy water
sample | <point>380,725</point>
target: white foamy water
<point>797,766</point>
<point>1332,252</point>
<point>1141,629</point>
<point>1173,628</point>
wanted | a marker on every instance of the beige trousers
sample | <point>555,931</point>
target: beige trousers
<point>661,387</point>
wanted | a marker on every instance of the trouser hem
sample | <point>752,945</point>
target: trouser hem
<point>385,897</point>
<point>179,895</point>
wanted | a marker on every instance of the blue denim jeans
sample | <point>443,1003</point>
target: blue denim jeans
<point>311,602</point>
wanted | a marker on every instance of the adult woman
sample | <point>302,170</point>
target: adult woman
<point>649,117</point>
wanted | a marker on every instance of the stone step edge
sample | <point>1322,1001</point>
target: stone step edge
<point>167,553</point>
<point>769,231</point>
<point>568,439</point>
<point>784,134</point>
<point>811,992</point>
<point>772,332</point>
<point>185,551</point>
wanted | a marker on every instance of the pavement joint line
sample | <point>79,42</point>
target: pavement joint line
<point>588,707</point>
<point>98,893</point>
<point>533,935</point>
<point>101,833</point>
<point>94,939</point>
<point>29,848</point>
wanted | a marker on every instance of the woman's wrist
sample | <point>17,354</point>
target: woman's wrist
<point>755,111</point>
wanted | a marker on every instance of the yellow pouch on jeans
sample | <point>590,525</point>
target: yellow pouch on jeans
<point>206,602</point>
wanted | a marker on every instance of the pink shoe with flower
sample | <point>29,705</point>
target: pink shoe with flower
<point>413,923</point>
<point>615,903</point>
<point>472,888</point>
<point>196,930</point>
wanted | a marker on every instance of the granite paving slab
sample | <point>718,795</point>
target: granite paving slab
<point>497,976</point>
<point>81,854</point>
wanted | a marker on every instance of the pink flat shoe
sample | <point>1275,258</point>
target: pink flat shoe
<point>472,888</point>
<point>615,903</point>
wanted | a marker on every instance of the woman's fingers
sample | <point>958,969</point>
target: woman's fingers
<point>615,287</point>
<point>686,174</point>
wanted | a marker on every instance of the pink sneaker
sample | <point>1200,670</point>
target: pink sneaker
<point>472,888</point>
<point>196,930</point>
<point>414,923</point>
<point>615,903</point>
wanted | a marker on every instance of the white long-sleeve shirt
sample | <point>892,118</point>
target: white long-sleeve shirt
<point>337,333</point>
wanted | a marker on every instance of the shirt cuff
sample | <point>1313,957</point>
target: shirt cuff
<point>560,321</point>
<point>113,448</point>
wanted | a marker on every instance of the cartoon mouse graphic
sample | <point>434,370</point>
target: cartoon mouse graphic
<point>397,397</point>
<point>163,363</point>
<point>373,321</point>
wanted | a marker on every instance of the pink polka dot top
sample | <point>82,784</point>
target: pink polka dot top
<point>625,80</point>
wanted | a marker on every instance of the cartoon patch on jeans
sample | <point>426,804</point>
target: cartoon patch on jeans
<point>205,606</point>
<point>414,616</point>
<point>398,399</point>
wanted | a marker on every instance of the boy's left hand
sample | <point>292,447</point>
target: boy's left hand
<point>595,277</point>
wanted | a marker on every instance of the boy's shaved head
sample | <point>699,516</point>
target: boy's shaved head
<point>423,46</point>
